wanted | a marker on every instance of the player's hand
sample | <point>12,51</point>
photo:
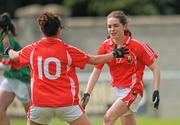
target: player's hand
<point>120,52</point>
<point>156,99</point>
<point>85,100</point>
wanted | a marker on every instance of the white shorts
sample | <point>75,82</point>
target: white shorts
<point>44,115</point>
<point>130,97</point>
<point>21,90</point>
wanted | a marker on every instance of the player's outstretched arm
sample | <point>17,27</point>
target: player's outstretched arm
<point>116,53</point>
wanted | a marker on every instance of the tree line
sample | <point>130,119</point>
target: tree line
<point>102,7</point>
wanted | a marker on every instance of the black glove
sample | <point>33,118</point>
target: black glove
<point>120,52</point>
<point>85,100</point>
<point>156,99</point>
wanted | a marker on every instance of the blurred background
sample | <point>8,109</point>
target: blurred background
<point>156,22</point>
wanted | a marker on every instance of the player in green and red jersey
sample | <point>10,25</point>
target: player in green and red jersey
<point>15,82</point>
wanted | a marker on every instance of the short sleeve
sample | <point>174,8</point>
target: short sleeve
<point>147,54</point>
<point>24,55</point>
<point>78,57</point>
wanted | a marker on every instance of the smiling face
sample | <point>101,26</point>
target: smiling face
<point>115,28</point>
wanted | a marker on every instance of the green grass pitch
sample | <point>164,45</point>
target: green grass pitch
<point>98,121</point>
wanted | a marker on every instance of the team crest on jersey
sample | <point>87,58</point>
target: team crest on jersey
<point>129,58</point>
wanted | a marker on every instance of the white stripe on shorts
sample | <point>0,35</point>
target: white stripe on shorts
<point>121,93</point>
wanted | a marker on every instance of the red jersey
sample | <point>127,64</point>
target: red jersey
<point>54,82</point>
<point>126,73</point>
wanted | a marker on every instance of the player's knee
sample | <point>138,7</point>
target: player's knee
<point>108,119</point>
<point>2,115</point>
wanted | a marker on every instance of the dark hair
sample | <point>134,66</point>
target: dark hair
<point>122,19</point>
<point>6,23</point>
<point>49,23</point>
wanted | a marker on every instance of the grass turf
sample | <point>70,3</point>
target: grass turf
<point>98,121</point>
